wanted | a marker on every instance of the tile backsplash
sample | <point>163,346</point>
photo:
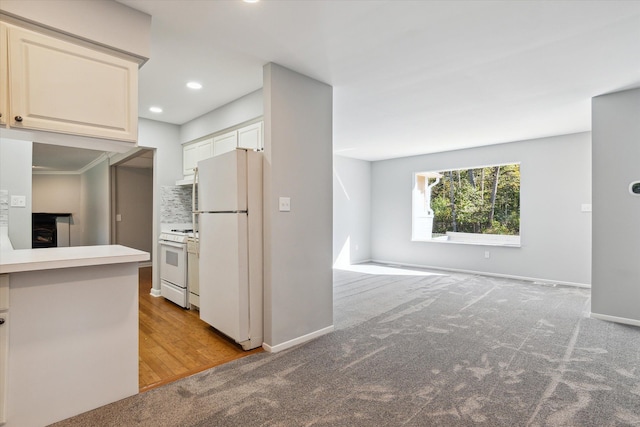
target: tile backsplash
<point>176,204</point>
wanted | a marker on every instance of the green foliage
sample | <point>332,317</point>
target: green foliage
<point>473,204</point>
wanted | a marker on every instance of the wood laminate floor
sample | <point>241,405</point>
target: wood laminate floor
<point>174,342</point>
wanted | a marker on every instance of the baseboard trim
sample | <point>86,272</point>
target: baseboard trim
<point>296,341</point>
<point>155,292</point>
<point>484,273</point>
<point>143,264</point>
<point>623,320</point>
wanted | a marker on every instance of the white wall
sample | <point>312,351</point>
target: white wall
<point>555,234</point>
<point>298,289</point>
<point>241,110</point>
<point>167,169</point>
<point>351,210</point>
<point>60,194</point>
<point>94,195</point>
<point>15,177</point>
<point>616,212</point>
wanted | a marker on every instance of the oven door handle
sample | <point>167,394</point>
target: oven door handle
<point>172,244</point>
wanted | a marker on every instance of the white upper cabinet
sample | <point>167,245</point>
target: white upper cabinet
<point>250,137</point>
<point>205,149</point>
<point>189,158</point>
<point>58,86</point>
<point>4,343</point>
<point>193,153</point>
<point>225,143</point>
<point>4,76</point>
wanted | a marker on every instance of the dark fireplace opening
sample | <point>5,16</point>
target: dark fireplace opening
<point>44,229</point>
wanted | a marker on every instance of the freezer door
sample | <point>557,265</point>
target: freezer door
<point>222,182</point>
<point>224,274</point>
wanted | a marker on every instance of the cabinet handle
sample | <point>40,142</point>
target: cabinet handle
<point>1,321</point>
<point>18,118</point>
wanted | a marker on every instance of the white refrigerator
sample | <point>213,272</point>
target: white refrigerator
<point>229,217</point>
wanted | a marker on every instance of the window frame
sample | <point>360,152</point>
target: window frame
<point>462,238</point>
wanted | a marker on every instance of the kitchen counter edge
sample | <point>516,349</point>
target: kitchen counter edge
<point>22,260</point>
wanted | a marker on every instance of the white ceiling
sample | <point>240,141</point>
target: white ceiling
<point>47,158</point>
<point>409,77</point>
<point>53,158</point>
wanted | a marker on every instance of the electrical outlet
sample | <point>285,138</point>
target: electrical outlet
<point>285,204</point>
<point>487,254</point>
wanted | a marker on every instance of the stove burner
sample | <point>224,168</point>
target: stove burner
<point>189,230</point>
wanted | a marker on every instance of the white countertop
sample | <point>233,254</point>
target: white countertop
<point>15,261</point>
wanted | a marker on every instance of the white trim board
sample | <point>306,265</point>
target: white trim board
<point>615,319</point>
<point>296,341</point>
<point>484,273</point>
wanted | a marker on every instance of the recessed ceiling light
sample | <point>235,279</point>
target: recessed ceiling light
<point>194,85</point>
<point>251,1</point>
<point>155,109</point>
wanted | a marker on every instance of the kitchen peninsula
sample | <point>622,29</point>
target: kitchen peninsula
<point>72,319</point>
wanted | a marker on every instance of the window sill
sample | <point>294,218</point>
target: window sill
<point>475,239</point>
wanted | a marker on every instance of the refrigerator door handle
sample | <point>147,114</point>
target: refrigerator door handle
<point>221,212</point>
<point>194,207</point>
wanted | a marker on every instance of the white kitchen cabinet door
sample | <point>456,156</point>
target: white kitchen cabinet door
<point>250,137</point>
<point>225,143</point>
<point>4,76</point>
<point>205,149</point>
<point>189,158</point>
<point>4,343</point>
<point>193,153</point>
<point>4,357</point>
<point>59,86</point>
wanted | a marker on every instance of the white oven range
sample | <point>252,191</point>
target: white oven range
<point>173,266</point>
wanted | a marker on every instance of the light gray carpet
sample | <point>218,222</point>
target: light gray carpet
<point>420,350</point>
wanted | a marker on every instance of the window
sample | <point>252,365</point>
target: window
<point>475,205</point>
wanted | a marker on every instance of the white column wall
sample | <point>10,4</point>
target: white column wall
<point>298,289</point>
<point>616,212</point>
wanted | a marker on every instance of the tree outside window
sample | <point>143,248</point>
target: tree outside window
<point>463,202</point>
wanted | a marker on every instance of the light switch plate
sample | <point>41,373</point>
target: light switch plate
<point>285,204</point>
<point>18,201</point>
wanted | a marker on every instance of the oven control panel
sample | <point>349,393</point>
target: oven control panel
<point>175,236</point>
